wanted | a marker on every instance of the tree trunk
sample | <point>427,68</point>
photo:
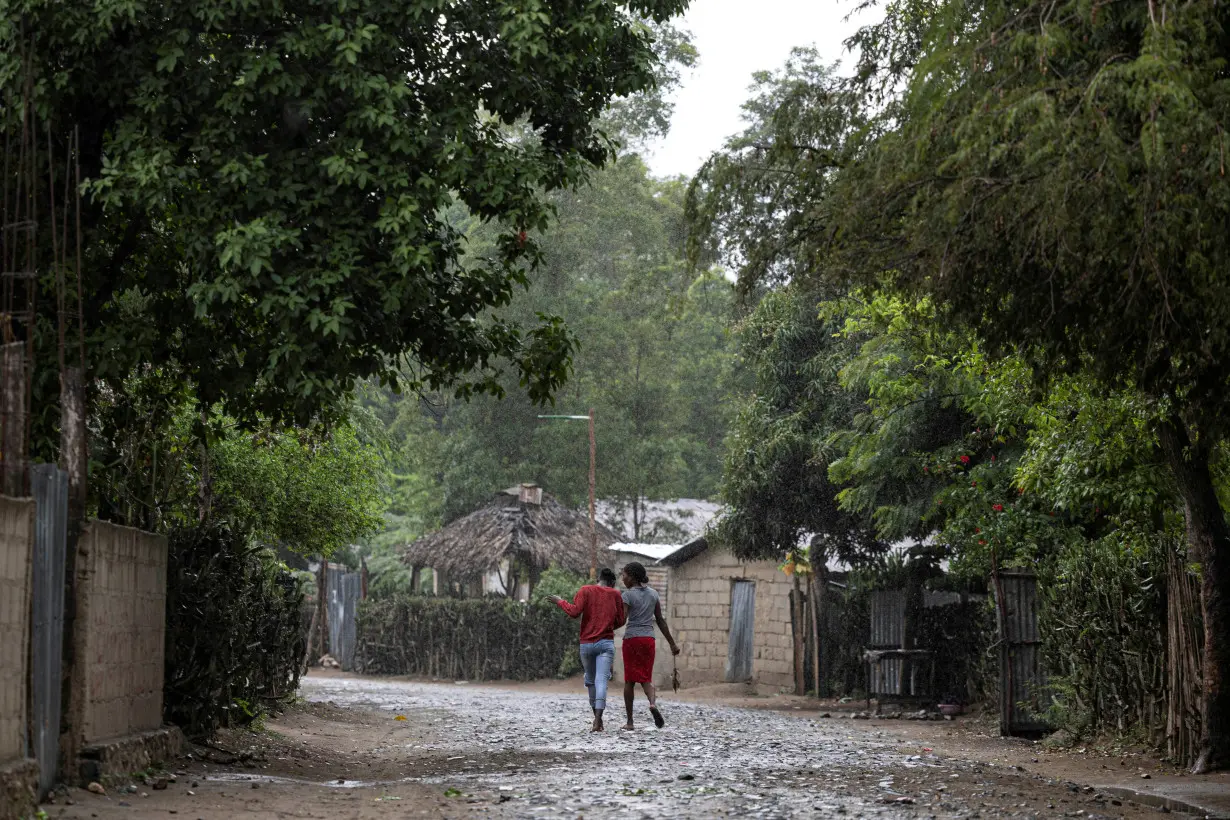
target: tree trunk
<point>13,419</point>
<point>205,483</point>
<point>322,604</point>
<point>1209,540</point>
<point>74,459</point>
<point>636,517</point>
<point>819,580</point>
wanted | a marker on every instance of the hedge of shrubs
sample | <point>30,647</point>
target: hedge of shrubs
<point>234,641</point>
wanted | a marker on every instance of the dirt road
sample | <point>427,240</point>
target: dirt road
<point>464,750</point>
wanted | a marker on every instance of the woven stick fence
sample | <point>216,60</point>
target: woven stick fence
<point>463,639</point>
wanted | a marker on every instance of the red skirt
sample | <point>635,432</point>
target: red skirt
<point>638,659</point>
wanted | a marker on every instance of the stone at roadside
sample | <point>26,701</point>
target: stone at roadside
<point>96,788</point>
<point>1146,776</point>
<point>687,777</point>
<point>1058,740</point>
<point>160,784</point>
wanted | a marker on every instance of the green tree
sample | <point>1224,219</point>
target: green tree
<point>653,358</point>
<point>268,190</point>
<point>759,201</point>
<point>1052,175</point>
<point>1055,175</point>
<point>309,491</point>
<point>776,477</point>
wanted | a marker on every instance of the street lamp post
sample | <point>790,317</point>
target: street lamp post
<point>593,453</point>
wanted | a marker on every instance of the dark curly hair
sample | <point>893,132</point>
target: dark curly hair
<point>636,572</point>
<point>607,576</point>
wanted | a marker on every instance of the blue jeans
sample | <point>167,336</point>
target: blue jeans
<point>597,658</point>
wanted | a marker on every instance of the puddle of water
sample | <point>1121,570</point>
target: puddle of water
<point>234,777</point>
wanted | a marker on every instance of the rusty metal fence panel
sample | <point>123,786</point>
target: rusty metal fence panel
<point>887,619</point>
<point>49,486</point>
<point>345,590</point>
<point>1022,683</point>
<point>886,676</point>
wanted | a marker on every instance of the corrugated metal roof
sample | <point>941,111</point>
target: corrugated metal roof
<point>654,552</point>
<point>685,553</point>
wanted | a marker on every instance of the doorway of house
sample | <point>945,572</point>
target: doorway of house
<point>742,625</point>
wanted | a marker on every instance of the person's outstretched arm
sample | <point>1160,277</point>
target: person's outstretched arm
<point>575,608</point>
<point>666,630</point>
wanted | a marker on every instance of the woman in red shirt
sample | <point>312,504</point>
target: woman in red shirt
<point>601,610</point>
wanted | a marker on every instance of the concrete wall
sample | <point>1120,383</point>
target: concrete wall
<point>700,618</point>
<point>121,594</point>
<point>16,549</point>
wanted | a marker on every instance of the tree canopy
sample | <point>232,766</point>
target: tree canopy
<point>1055,175</point>
<point>269,190</point>
<point>653,358</point>
<point>1051,177</point>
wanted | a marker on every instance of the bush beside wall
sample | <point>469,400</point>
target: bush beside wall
<point>235,643</point>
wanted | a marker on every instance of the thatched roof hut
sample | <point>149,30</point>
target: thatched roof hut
<point>521,526</point>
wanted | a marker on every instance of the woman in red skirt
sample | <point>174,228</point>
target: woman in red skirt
<point>643,609</point>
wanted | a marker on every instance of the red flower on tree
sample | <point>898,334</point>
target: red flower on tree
<point>997,507</point>
<point>965,459</point>
<point>521,239</point>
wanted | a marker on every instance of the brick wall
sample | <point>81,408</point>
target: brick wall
<point>16,547</point>
<point>122,582</point>
<point>700,616</point>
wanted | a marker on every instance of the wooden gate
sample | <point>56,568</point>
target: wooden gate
<point>742,631</point>
<point>1022,684</point>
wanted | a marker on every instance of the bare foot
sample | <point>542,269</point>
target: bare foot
<point>627,727</point>
<point>597,727</point>
<point>657,717</point>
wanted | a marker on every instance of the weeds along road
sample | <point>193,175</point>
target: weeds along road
<point>468,750</point>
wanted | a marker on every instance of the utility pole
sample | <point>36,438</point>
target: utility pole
<point>593,482</point>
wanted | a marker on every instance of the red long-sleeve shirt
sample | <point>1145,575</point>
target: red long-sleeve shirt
<point>601,610</point>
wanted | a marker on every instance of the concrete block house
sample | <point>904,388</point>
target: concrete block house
<point>731,617</point>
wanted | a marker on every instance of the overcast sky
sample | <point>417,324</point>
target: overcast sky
<point>736,38</point>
